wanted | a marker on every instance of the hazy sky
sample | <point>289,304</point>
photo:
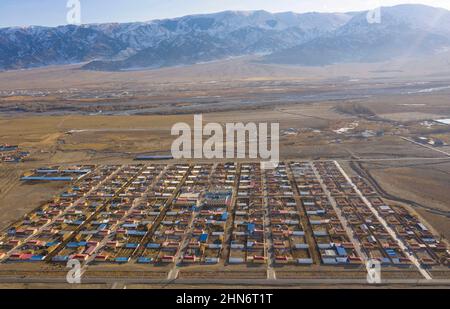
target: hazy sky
<point>53,12</point>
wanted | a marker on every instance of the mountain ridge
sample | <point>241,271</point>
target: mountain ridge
<point>404,31</point>
<point>285,38</point>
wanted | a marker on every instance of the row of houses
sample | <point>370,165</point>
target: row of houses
<point>58,173</point>
<point>248,243</point>
<point>375,240</point>
<point>331,240</point>
<point>117,230</point>
<point>105,207</point>
<point>164,244</point>
<point>207,230</point>
<point>299,213</point>
<point>12,154</point>
<point>418,238</point>
<point>42,231</point>
<point>287,231</point>
<point>196,219</point>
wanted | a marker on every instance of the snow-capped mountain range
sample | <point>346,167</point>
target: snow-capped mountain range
<point>289,38</point>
